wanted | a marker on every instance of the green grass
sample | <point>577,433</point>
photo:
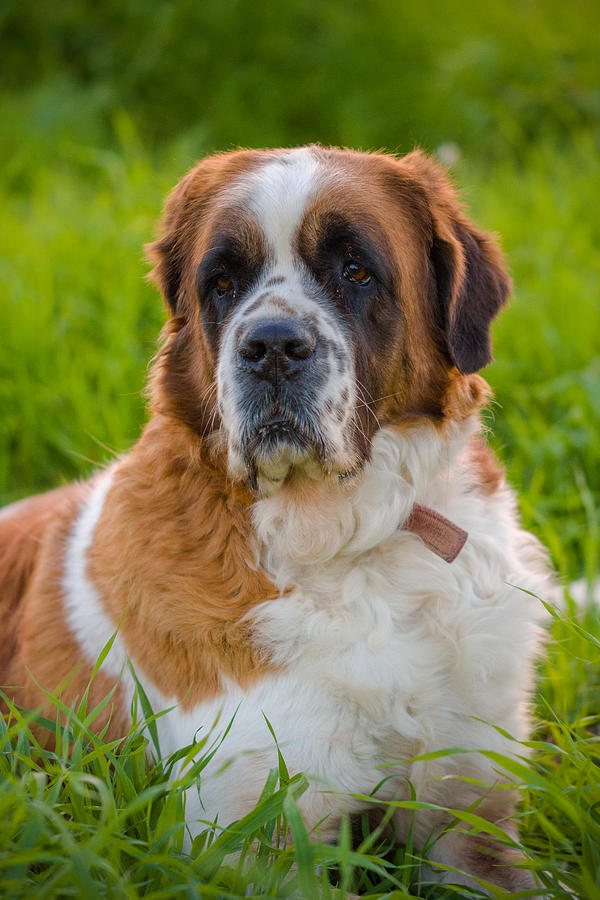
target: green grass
<point>95,819</point>
<point>104,107</point>
<point>491,76</point>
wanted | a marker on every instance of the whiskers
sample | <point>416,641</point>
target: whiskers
<point>208,397</point>
<point>367,404</point>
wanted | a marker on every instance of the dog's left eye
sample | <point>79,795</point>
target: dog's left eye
<point>353,271</point>
<point>224,285</point>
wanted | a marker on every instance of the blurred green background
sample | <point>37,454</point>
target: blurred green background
<point>105,105</point>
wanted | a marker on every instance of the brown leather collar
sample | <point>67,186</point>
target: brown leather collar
<point>442,537</point>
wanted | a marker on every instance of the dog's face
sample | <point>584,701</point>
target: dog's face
<point>314,295</point>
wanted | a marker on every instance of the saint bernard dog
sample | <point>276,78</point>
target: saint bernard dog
<point>311,527</point>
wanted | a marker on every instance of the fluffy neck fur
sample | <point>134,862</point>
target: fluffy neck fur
<point>312,524</point>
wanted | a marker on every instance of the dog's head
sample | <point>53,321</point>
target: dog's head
<point>315,294</point>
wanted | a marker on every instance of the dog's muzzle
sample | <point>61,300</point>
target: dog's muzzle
<point>279,366</point>
<point>285,395</point>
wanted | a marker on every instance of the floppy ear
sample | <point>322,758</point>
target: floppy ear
<point>169,252</point>
<point>472,286</point>
<point>470,281</point>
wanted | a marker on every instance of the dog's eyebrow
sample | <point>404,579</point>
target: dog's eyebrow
<point>231,251</point>
<point>359,236</point>
<point>221,252</point>
<point>331,238</point>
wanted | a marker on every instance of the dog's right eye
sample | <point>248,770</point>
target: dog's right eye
<point>357,273</point>
<point>224,285</point>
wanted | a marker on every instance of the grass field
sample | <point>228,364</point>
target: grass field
<point>87,156</point>
<point>99,821</point>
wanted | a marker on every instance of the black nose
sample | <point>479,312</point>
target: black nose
<point>277,349</point>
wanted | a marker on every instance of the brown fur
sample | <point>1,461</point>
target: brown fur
<point>485,858</point>
<point>483,462</point>
<point>496,863</point>
<point>22,538</point>
<point>187,578</point>
<point>183,373</point>
<point>417,210</point>
<point>39,651</point>
<point>182,583</point>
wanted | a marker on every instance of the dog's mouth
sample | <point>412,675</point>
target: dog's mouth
<point>276,432</point>
<point>279,447</point>
<point>279,452</point>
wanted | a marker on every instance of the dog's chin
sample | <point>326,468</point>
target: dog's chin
<point>278,453</point>
<point>285,464</point>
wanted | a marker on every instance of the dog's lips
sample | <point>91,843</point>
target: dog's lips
<point>278,447</point>
<point>275,435</point>
<point>279,427</point>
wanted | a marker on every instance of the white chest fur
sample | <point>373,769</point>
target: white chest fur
<point>384,651</point>
<point>387,651</point>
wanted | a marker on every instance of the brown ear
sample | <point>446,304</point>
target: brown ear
<point>470,281</point>
<point>169,252</point>
<point>472,286</point>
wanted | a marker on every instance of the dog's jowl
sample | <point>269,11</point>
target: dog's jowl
<point>310,527</point>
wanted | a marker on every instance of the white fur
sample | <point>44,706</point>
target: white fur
<point>384,650</point>
<point>83,607</point>
<point>278,195</point>
<point>585,592</point>
<point>419,654</point>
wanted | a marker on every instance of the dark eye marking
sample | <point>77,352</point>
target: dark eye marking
<point>221,284</point>
<point>350,256</point>
<point>224,274</point>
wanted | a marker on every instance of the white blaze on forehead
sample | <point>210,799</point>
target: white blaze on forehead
<point>279,196</point>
